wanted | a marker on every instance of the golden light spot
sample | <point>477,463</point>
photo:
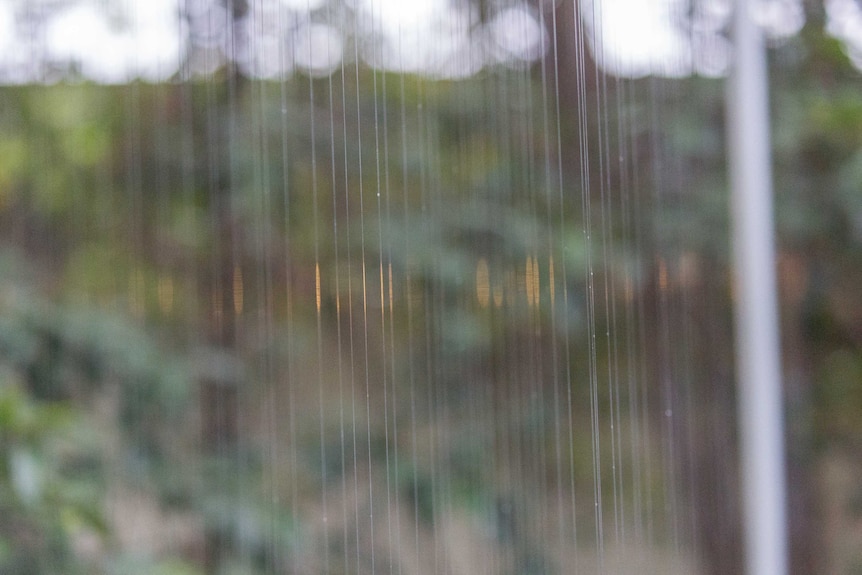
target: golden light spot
<point>531,281</point>
<point>483,284</point>
<point>237,290</point>
<point>535,281</point>
<point>317,285</point>
<point>498,295</point>
<point>166,294</point>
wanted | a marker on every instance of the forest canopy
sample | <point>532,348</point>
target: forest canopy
<point>115,42</point>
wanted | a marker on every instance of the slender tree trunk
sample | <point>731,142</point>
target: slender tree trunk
<point>219,389</point>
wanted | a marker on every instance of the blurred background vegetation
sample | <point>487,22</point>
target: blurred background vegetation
<point>353,322</point>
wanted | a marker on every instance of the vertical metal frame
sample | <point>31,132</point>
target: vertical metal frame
<point>756,307</point>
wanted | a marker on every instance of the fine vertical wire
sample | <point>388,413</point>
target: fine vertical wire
<point>547,196</point>
<point>609,257</point>
<point>567,353</point>
<point>427,318</point>
<point>677,382</point>
<point>364,271</point>
<point>292,456</point>
<point>636,334</point>
<point>189,157</point>
<point>135,191</point>
<point>532,278</point>
<point>269,322</point>
<point>387,221</point>
<point>276,546</point>
<point>318,318</point>
<point>213,296</point>
<point>625,163</point>
<point>350,328</point>
<point>688,376</point>
<point>665,377</point>
<point>407,292</point>
<point>381,280</point>
<point>590,289</point>
<point>345,520</point>
<point>239,342</point>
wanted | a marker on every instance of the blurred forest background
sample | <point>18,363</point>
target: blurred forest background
<point>353,321</point>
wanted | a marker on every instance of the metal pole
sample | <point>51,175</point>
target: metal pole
<point>756,308</point>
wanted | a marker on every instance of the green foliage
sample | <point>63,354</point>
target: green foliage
<point>50,479</point>
<point>139,203</point>
<point>58,365</point>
